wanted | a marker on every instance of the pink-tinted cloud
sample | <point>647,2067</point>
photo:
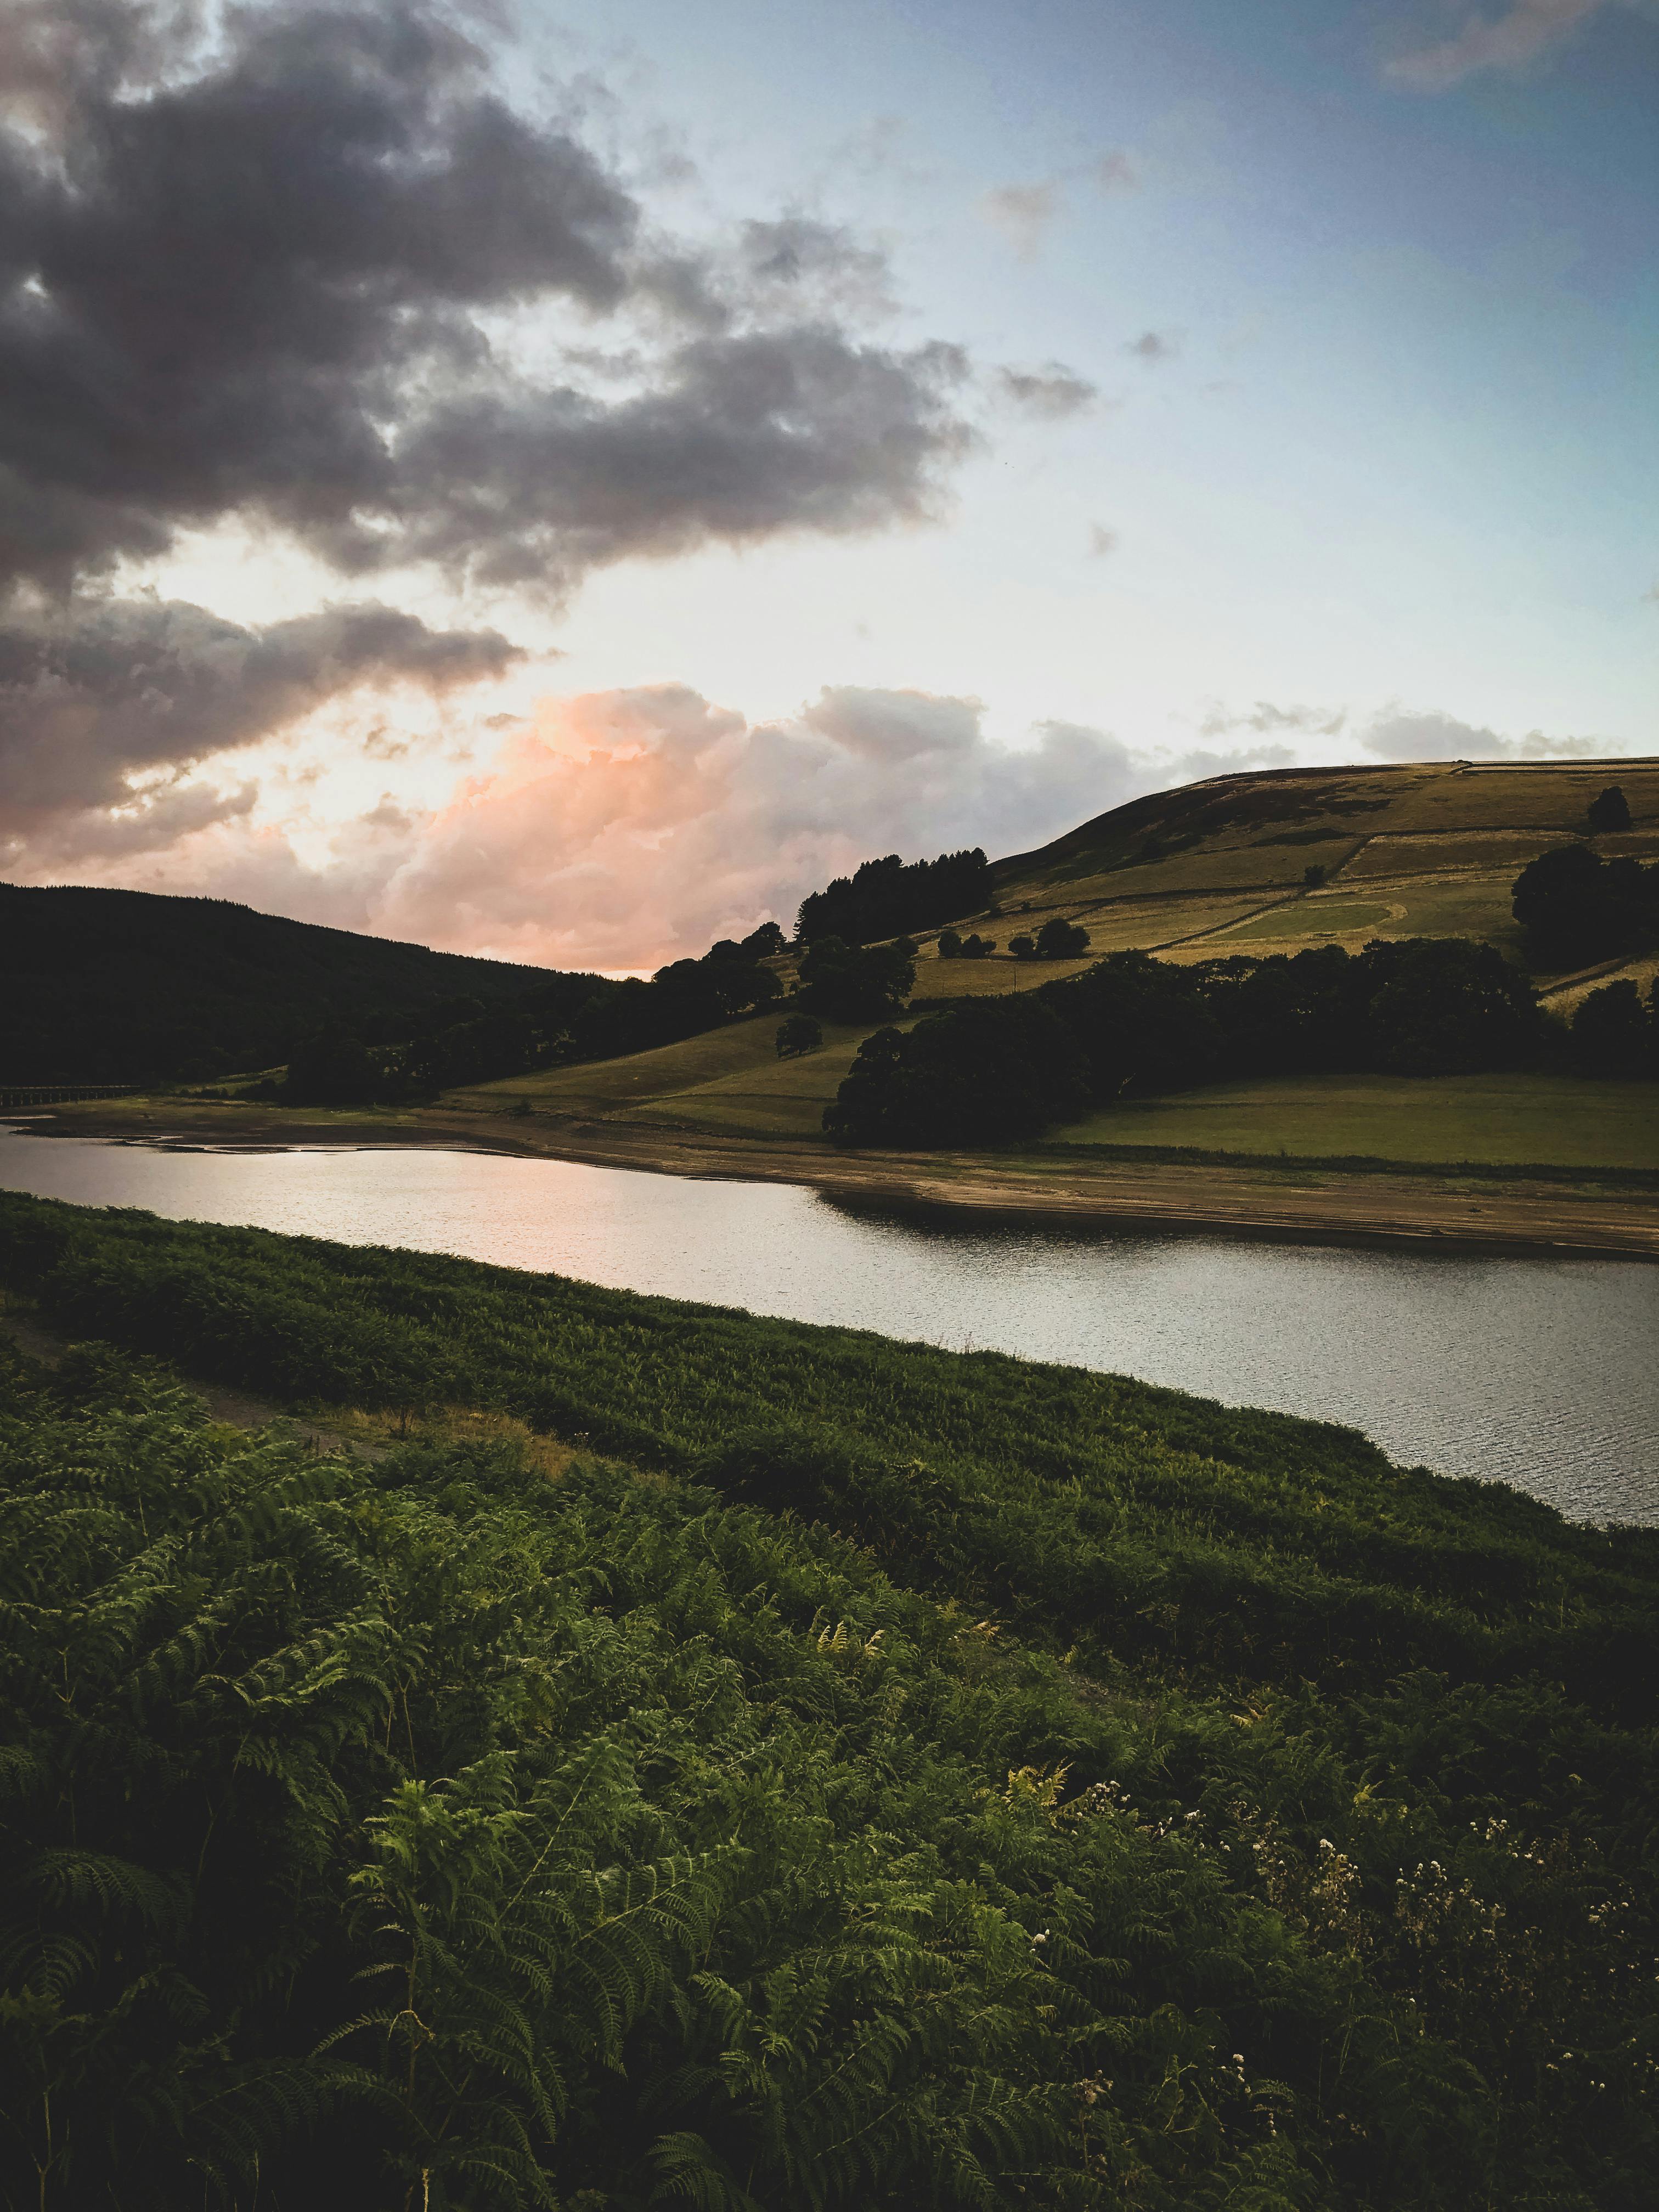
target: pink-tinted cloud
<point>624,828</point>
<point>621,829</point>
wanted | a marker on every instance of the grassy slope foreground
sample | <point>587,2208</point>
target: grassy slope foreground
<point>860,1775</point>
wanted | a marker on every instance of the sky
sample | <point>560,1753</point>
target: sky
<point>564,492</point>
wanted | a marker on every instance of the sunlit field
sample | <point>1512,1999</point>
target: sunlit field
<point>1504,1120</point>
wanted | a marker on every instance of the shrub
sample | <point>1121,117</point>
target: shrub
<point>1609,810</point>
<point>799,1033</point>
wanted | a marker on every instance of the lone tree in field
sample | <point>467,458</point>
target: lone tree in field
<point>1060,940</point>
<point>1609,810</point>
<point>800,1033</point>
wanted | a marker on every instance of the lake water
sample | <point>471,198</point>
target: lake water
<point>1540,1373</point>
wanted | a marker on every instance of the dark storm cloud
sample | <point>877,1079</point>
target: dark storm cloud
<point>254,277</point>
<point>97,693</point>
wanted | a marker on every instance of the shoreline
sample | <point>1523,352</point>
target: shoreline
<point>1277,1201</point>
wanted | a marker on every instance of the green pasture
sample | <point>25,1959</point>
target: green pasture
<point>1508,1120</point>
<point>1304,921</point>
<point>729,1079</point>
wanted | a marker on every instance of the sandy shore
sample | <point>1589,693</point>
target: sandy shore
<point>1288,1201</point>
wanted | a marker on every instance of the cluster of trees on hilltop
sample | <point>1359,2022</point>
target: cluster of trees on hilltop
<point>996,1070</point>
<point>868,1776</point>
<point>891,898</point>
<point>1577,907</point>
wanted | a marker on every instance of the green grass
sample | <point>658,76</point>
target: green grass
<point>729,1077</point>
<point>1501,1120</point>
<point>1304,921</point>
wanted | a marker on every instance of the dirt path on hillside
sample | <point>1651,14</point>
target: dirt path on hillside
<point>236,1408</point>
<point>1292,1202</point>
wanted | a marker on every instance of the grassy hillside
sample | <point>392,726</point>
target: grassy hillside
<point>1425,849</point>
<point>112,986</point>
<point>730,1083</point>
<point>1501,1120</point>
<point>729,1080</point>
<point>843,1774</point>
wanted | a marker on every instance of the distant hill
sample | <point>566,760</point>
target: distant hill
<point>1284,858</point>
<point>113,986</point>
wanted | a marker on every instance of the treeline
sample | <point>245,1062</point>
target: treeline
<point>896,1777</point>
<point>892,897</point>
<point>995,1071</point>
<point>569,1017</point>
<point>1577,907</point>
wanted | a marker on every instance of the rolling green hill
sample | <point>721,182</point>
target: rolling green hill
<point>1428,849</point>
<point>113,986</point>
<point>1423,849</point>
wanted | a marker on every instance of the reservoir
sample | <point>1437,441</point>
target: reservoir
<point>1540,1373</point>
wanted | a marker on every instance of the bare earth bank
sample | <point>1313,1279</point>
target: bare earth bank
<point>1293,1201</point>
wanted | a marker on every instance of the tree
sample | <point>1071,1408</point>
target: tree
<point>1442,1005</point>
<point>764,943</point>
<point>1610,810</point>
<point>1613,1035</point>
<point>799,1033</point>
<point>853,983</point>
<point>1314,875</point>
<point>988,1071</point>
<point>950,945</point>
<point>1024,947</point>
<point>1138,1024</point>
<point>1058,939</point>
<point>331,1067</point>
<point>1576,907</point>
<point>886,896</point>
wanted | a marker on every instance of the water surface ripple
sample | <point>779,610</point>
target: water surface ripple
<point>1536,1372</point>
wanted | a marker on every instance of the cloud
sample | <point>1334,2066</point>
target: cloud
<point>1152,347</point>
<point>619,829</point>
<point>623,829</point>
<point>1525,30</point>
<point>1049,393</point>
<point>1022,213</point>
<point>1431,735</point>
<point>105,703</point>
<point>1115,173</point>
<point>324,274</point>
<point>1265,716</point>
<point>1102,541</point>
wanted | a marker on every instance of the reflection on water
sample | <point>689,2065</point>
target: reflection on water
<point>1540,1373</point>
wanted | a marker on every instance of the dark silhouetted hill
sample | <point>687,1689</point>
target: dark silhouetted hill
<point>116,986</point>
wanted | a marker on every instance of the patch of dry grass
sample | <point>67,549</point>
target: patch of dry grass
<point>448,1425</point>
